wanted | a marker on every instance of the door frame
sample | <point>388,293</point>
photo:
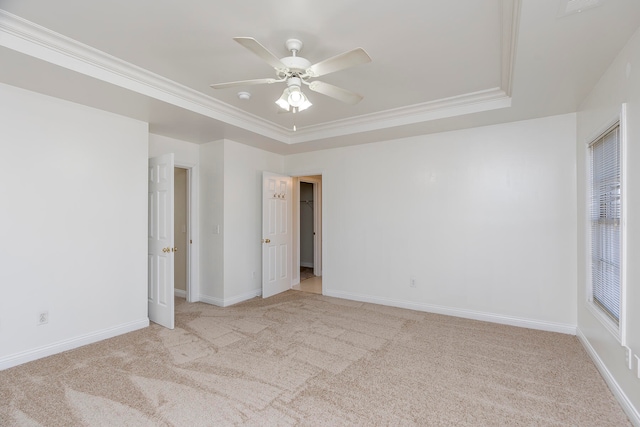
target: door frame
<point>317,224</point>
<point>193,257</point>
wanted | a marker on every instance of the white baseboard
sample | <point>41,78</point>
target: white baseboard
<point>306,264</point>
<point>179,293</point>
<point>621,397</point>
<point>457,312</point>
<point>69,344</point>
<point>219,302</point>
<point>226,302</point>
<point>243,297</point>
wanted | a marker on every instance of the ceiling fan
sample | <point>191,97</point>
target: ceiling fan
<point>297,71</point>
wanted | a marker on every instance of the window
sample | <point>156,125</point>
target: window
<point>606,224</point>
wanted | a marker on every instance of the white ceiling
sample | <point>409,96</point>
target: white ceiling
<point>437,65</point>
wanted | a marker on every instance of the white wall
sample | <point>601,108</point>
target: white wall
<point>212,223</point>
<point>72,225</point>
<point>243,167</point>
<point>483,219</point>
<point>621,83</point>
<point>185,153</point>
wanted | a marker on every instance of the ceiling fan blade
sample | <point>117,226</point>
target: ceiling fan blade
<point>254,46</point>
<point>336,92</point>
<point>243,83</point>
<point>339,62</point>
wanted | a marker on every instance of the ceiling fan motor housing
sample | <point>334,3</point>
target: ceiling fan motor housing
<point>293,45</point>
<point>296,63</point>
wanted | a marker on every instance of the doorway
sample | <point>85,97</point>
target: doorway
<point>181,231</point>
<point>170,237</point>
<point>308,233</point>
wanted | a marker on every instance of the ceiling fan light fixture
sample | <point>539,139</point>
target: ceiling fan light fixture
<point>293,99</point>
<point>296,71</point>
<point>306,104</point>
<point>296,98</point>
<point>282,101</point>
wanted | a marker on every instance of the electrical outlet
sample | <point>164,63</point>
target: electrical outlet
<point>637,366</point>
<point>43,318</point>
<point>412,282</point>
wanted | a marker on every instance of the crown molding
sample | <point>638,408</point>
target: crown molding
<point>490,99</point>
<point>34,40</point>
<point>485,100</point>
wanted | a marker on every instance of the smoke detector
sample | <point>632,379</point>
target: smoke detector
<point>570,7</point>
<point>245,96</point>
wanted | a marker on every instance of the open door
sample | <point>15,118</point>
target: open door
<point>161,248</point>
<point>276,233</point>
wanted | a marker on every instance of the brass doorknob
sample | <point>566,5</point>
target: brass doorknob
<point>266,241</point>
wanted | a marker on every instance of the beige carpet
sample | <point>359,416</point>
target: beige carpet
<point>305,359</point>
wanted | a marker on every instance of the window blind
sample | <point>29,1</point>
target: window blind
<point>606,230</point>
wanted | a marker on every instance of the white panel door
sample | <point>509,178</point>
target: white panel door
<point>276,234</point>
<point>161,240</point>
